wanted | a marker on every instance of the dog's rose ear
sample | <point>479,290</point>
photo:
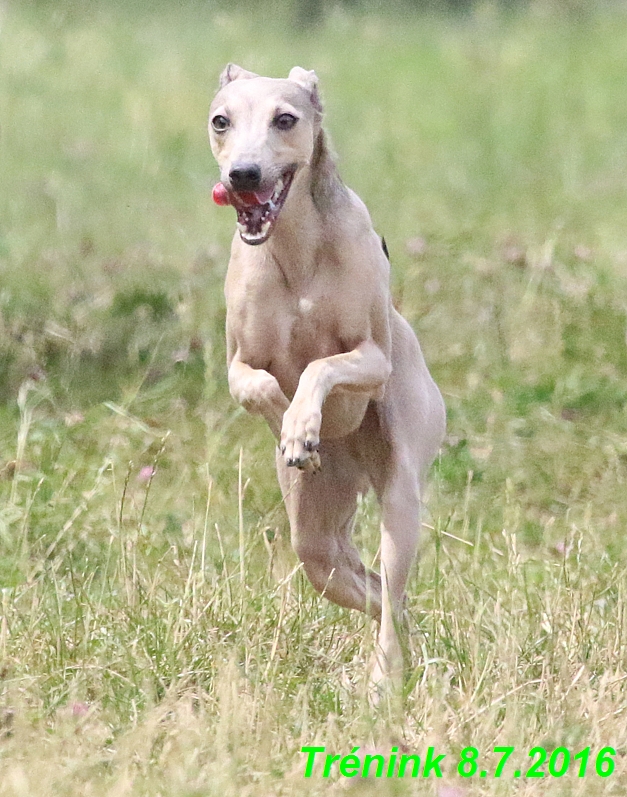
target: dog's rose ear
<point>309,81</point>
<point>234,72</point>
<point>306,78</point>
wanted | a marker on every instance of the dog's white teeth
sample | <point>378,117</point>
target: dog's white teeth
<point>262,216</point>
<point>253,237</point>
<point>278,190</point>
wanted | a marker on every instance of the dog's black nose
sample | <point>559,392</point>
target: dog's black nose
<point>245,177</point>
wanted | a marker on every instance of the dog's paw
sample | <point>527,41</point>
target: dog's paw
<point>300,438</point>
<point>385,680</point>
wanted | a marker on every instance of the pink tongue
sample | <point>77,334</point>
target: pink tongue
<point>264,196</point>
<point>221,196</point>
<point>250,198</point>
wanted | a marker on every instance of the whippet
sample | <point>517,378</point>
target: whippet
<point>315,346</point>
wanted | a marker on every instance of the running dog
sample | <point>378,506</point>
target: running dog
<point>315,346</point>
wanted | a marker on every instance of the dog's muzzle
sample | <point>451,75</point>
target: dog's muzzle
<point>257,208</point>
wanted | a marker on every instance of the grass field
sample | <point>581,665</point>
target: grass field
<point>156,635</point>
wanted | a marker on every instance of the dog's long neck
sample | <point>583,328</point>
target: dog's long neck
<point>326,186</point>
<point>317,196</point>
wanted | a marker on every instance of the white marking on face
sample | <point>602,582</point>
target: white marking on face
<point>305,305</point>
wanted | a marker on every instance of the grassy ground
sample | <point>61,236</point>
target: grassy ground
<point>157,637</point>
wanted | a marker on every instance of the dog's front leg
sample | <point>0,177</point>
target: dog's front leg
<point>259,393</point>
<point>365,369</point>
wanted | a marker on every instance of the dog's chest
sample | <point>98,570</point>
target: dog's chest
<point>307,330</point>
<point>308,325</point>
<point>313,325</point>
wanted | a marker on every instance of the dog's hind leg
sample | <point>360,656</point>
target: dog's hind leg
<point>412,420</point>
<point>400,527</point>
<point>321,509</point>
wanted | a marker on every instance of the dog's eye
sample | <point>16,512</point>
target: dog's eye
<point>220,123</point>
<point>285,121</point>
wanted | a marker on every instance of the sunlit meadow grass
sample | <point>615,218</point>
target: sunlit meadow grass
<point>157,636</point>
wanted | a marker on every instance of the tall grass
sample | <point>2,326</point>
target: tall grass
<point>157,636</point>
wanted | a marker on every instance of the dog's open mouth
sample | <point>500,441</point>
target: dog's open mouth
<point>257,211</point>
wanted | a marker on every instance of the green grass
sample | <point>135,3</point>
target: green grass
<point>156,635</point>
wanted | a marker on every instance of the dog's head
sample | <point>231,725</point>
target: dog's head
<point>262,131</point>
